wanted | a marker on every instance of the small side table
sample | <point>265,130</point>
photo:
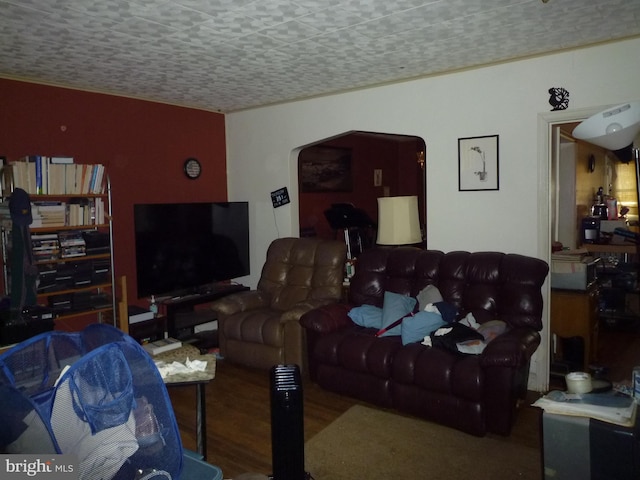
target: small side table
<point>198,379</point>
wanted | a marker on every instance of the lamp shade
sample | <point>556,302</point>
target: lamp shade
<point>398,221</point>
<point>613,129</point>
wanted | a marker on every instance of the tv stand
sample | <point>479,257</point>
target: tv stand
<point>182,316</point>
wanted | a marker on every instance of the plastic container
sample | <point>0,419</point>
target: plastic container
<point>578,382</point>
<point>195,468</point>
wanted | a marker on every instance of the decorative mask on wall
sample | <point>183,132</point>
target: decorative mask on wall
<point>558,98</point>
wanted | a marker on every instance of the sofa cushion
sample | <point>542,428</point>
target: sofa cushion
<point>260,326</point>
<point>429,294</point>
<point>414,328</point>
<point>368,316</point>
<point>395,307</point>
<point>359,350</point>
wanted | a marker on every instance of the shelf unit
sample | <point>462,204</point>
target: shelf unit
<point>87,280</point>
<point>618,284</point>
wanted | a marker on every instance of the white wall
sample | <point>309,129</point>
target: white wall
<point>505,99</point>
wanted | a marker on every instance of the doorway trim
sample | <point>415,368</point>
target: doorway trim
<point>546,122</point>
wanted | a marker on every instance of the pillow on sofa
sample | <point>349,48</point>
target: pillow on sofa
<point>429,294</point>
<point>366,316</point>
<point>492,329</point>
<point>489,330</point>
<point>414,328</point>
<point>395,307</point>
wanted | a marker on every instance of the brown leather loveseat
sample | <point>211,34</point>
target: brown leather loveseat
<point>475,393</point>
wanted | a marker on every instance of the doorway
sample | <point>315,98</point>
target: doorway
<point>616,353</point>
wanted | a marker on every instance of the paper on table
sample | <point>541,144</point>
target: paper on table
<point>175,368</point>
<point>608,407</point>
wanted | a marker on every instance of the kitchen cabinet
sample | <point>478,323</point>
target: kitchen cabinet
<point>574,313</point>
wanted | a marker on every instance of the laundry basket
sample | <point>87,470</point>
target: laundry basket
<point>95,394</point>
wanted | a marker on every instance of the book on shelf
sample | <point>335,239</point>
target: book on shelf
<point>163,345</point>
<point>62,160</point>
<point>69,178</point>
<point>56,179</point>
<point>138,314</point>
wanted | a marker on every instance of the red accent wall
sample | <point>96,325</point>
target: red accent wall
<point>142,144</point>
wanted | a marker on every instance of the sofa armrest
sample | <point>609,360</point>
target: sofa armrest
<point>513,348</point>
<point>241,301</point>
<point>505,362</point>
<point>327,318</point>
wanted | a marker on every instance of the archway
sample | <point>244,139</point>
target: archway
<point>357,168</point>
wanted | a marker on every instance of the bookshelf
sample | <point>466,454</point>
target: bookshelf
<point>71,238</point>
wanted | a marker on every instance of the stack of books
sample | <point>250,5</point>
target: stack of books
<point>45,246</point>
<point>72,244</point>
<point>48,214</point>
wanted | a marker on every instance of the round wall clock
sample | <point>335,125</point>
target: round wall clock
<point>192,168</point>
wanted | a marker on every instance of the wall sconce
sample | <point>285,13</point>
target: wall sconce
<point>591,163</point>
<point>398,221</point>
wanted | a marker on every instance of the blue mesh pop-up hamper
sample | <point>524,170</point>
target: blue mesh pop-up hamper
<point>95,394</point>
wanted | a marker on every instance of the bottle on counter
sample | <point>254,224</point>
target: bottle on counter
<point>153,306</point>
<point>599,208</point>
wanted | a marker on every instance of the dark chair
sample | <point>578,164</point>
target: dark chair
<point>357,227</point>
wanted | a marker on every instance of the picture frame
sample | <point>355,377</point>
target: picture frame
<point>325,169</point>
<point>478,163</point>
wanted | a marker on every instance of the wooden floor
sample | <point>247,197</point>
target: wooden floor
<point>239,415</point>
<point>239,418</point>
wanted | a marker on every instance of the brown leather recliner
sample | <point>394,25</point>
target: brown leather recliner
<point>260,328</point>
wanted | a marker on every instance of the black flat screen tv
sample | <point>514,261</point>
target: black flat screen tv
<point>185,248</point>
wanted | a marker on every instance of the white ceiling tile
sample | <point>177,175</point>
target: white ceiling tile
<point>225,55</point>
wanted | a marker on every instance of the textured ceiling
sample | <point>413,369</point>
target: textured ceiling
<point>228,55</point>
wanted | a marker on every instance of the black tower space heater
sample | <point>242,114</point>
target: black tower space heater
<point>287,423</point>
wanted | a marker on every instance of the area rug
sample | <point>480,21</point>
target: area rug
<point>366,443</point>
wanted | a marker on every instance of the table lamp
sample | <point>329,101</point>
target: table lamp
<point>398,221</point>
